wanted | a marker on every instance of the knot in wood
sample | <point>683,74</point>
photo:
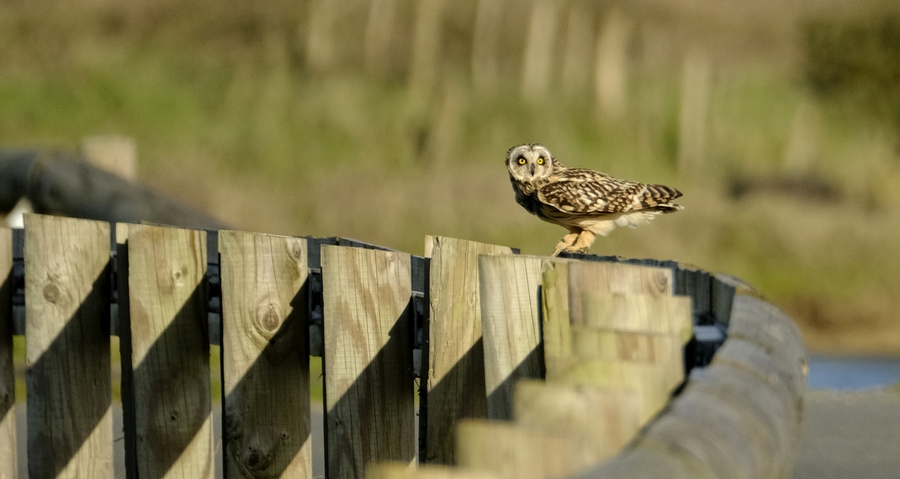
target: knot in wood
<point>269,321</point>
<point>296,249</point>
<point>257,460</point>
<point>177,277</point>
<point>51,293</point>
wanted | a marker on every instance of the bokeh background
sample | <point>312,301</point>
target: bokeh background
<point>386,120</point>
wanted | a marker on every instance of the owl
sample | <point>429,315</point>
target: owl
<point>585,202</point>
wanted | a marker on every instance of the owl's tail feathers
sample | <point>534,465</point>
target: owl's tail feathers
<point>657,197</point>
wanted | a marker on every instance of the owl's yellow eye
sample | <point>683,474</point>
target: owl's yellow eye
<point>521,160</point>
<point>541,160</point>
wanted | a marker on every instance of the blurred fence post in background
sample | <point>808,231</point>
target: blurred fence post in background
<point>112,153</point>
<point>537,71</point>
<point>612,64</point>
<point>803,142</point>
<point>320,47</point>
<point>579,49</point>
<point>426,45</point>
<point>379,33</point>
<point>485,44</point>
<point>695,90</point>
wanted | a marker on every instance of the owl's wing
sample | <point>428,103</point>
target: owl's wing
<point>587,192</point>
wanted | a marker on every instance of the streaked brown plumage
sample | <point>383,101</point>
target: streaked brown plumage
<point>586,202</point>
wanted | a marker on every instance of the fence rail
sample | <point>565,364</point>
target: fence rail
<point>577,357</point>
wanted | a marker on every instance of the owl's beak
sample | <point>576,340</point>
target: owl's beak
<point>532,169</point>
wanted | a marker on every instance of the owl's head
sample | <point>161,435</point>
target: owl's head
<point>529,162</point>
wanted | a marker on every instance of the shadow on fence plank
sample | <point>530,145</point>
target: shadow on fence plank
<point>67,304</point>
<point>60,420</point>
<point>359,432</point>
<point>266,425</point>
<point>165,353</point>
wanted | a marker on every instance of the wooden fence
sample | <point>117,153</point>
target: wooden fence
<point>527,367</point>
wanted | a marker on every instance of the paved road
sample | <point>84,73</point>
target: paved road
<point>846,434</point>
<point>850,434</point>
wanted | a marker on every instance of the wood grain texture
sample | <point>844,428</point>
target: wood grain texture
<point>509,288</point>
<point>67,311</point>
<point>265,359</point>
<point>166,359</point>
<point>557,333</point>
<point>510,451</point>
<point>665,350</point>
<point>8,447</point>
<point>600,420</point>
<point>589,277</point>
<point>740,417</point>
<point>652,383</point>
<point>370,409</point>
<point>455,380</point>
<point>403,471</point>
<point>634,312</point>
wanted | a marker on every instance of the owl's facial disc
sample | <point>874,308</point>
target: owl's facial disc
<point>529,162</point>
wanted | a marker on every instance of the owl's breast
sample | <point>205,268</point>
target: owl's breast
<point>526,196</point>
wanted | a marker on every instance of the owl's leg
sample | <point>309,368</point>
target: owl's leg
<point>566,241</point>
<point>583,243</point>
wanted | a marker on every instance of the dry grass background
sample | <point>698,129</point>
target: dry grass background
<point>287,117</point>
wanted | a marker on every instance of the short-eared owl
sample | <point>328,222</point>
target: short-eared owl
<point>585,202</point>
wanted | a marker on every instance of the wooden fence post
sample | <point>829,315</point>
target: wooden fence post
<point>403,471</point>
<point>165,352</point>
<point>510,312</point>
<point>426,67</point>
<point>369,399</point>
<point>67,307</point>
<point>511,452</point>
<point>485,43</point>
<point>8,447</point>
<point>112,153</point>
<point>601,420</point>
<point>379,35</point>
<point>538,68</point>
<point>265,357</point>
<point>455,382</point>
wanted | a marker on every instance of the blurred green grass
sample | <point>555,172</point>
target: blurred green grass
<point>230,115</point>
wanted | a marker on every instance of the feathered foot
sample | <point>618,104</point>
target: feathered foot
<point>582,244</point>
<point>565,243</point>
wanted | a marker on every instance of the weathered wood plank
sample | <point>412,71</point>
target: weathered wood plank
<point>600,420</point>
<point>556,325</point>
<point>370,409</point>
<point>510,451</point>
<point>455,381</point>
<point>509,289</point>
<point>66,297</point>
<point>634,312</point>
<point>165,352</point>
<point>403,471</point>
<point>588,277</point>
<point>265,358</point>
<point>608,345</point>
<point>739,417</point>
<point>653,383</point>
<point>8,448</point>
